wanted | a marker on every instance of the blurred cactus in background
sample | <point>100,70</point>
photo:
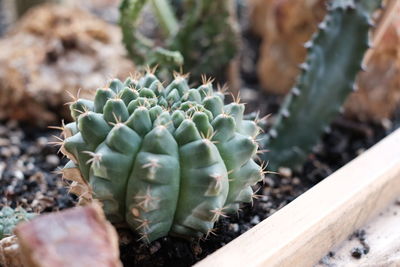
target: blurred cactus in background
<point>202,36</point>
<point>327,77</point>
<point>285,25</point>
<point>164,160</point>
<point>9,218</point>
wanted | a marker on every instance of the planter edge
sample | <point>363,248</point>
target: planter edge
<point>302,232</point>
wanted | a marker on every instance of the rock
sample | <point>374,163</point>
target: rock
<point>52,50</point>
<point>286,25</point>
<point>79,236</point>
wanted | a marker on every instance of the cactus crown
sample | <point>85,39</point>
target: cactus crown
<point>9,218</point>
<point>162,159</point>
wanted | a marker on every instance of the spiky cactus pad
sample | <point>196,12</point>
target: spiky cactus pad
<point>9,218</point>
<point>327,77</point>
<point>162,159</point>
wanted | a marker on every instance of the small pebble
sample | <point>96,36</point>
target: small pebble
<point>15,140</point>
<point>360,234</point>
<point>155,247</point>
<point>4,142</point>
<point>30,166</point>
<point>234,227</point>
<point>387,124</point>
<point>42,141</point>
<point>3,130</point>
<point>5,152</point>
<point>272,211</point>
<point>12,124</point>
<point>15,151</point>
<point>296,181</point>
<point>285,181</point>
<point>357,253</point>
<point>265,206</point>
<point>360,151</point>
<point>268,181</point>
<point>19,175</point>
<point>53,160</point>
<point>285,172</point>
<point>255,220</point>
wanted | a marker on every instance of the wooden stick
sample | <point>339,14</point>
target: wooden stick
<point>301,233</point>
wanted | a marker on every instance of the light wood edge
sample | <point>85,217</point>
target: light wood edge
<point>302,232</point>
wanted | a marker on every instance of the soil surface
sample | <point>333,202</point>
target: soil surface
<point>28,164</point>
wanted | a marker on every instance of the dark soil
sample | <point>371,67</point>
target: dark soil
<point>27,165</point>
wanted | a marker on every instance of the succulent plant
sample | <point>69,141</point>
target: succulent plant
<point>327,77</point>
<point>9,218</point>
<point>162,159</point>
<point>200,35</point>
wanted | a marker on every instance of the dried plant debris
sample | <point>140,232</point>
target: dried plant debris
<point>51,51</point>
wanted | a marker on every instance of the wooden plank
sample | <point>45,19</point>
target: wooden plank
<point>382,239</point>
<point>301,233</point>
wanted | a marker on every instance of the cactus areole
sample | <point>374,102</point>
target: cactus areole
<point>164,160</point>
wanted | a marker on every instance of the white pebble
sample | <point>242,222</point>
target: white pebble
<point>52,160</point>
<point>255,220</point>
<point>234,227</point>
<point>19,175</point>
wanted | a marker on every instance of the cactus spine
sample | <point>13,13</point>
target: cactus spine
<point>162,159</point>
<point>203,38</point>
<point>327,77</point>
<point>9,218</point>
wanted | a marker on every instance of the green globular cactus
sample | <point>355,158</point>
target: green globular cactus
<point>164,160</point>
<point>202,36</point>
<point>327,77</point>
<point>9,218</point>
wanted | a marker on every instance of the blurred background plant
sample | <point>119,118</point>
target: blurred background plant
<point>201,37</point>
